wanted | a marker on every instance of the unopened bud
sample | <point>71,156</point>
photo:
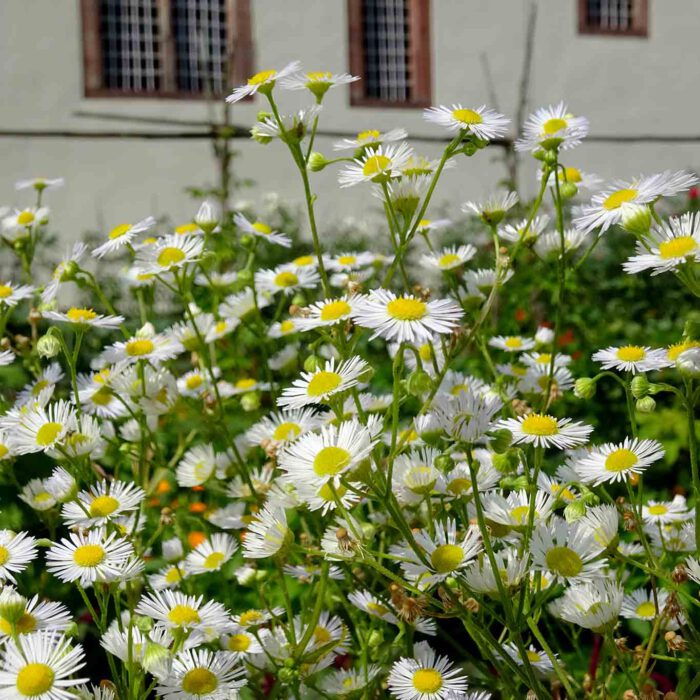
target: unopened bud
<point>584,388</point>
<point>418,383</point>
<point>208,216</point>
<point>375,639</point>
<point>506,462</point>
<point>574,511</point>
<point>636,219</point>
<point>48,346</point>
<point>568,190</point>
<point>250,401</point>
<point>312,363</point>
<point>640,386</point>
<point>317,162</point>
<point>444,463</point>
<point>501,440</point>
<point>646,405</point>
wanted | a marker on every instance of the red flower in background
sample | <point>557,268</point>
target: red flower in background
<point>693,192</point>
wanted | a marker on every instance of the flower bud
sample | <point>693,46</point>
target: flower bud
<point>646,405</point>
<point>691,329</point>
<point>544,335</point>
<point>143,623</point>
<point>568,190</point>
<point>250,401</point>
<point>208,216</point>
<point>640,386</point>
<point>312,363</point>
<point>538,154</point>
<point>574,511</point>
<point>506,462</point>
<point>48,346</point>
<point>584,388</point>
<point>550,155</point>
<point>153,655</point>
<point>636,219</point>
<point>246,575</point>
<point>444,463</point>
<point>12,605</point>
<point>375,639</point>
<point>258,136</point>
<point>172,549</point>
<point>514,482</point>
<point>245,277</point>
<point>146,331</point>
<point>501,440</point>
<point>418,383</point>
<point>317,162</point>
<point>688,362</point>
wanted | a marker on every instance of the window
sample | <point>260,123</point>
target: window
<point>165,48</point>
<point>617,17</point>
<point>389,43</point>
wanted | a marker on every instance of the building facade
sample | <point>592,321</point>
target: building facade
<point>162,67</point>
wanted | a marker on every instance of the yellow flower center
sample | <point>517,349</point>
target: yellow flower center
<point>286,279</point>
<point>5,291</point>
<point>406,309</point>
<point>286,431</point>
<point>238,642</point>
<point>564,561</point>
<point>260,227</point>
<point>520,513</point>
<point>552,126</point>
<point>304,260</point>
<point>677,247</point>
<point>427,680</point>
<point>119,231</point>
<point>544,359</point>
<point>322,635</point>
<point>319,77</point>
<point>426,352</point>
<point>646,609</point>
<point>262,77</point>
<point>323,383</point>
<point>139,347</point>
<point>25,218</point>
<point>245,383</point>
<point>533,656</point>
<point>4,449</point>
<point>459,485</point>
<point>467,116</point>
<point>617,199</point>
<point>448,260</point>
<point>287,326</point>
<point>89,555</point>
<point>103,396</point>
<point>326,493</point>
<point>513,342</point>
<point>630,353</point>
<point>376,165</point>
<point>4,555</point>
<point>658,509</point>
<point>170,256</point>
<point>446,558</point>
<point>76,315</point>
<point>675,350</point>
<point>347,259</point>
<point>102,506</point>
<point>570,175</point>
<point>378,609</point>
<point>251,617</point>
<point>331,460</point>
<point>539,424</point>
<point>620,460</point>
<point>194,382</point>
<point>34,679</point>
<point>25,624</point>
<point>214,560</point>
<point>184,229</point>
<point>183,616</point>
<point>48,433</point>
<point>173,575</point>
<point>368,135</point>
<point>199,681</point>
<point>335,310</point>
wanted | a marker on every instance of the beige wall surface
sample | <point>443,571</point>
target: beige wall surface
<point>626,86</point>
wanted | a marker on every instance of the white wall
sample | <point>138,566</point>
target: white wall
<point>624,85</point>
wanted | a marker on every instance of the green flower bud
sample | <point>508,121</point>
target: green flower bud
<point>590,499</point>
<point>514,482</point>
<point>538,155</point>
<point>317,162</point>
<point>550,155</point>
<point>584,388</point>
<point>568,190</point>
<point>246,240</point>
<point>259,137</point>
<point>312,363</point>
<point>142,623</point>
<point>640,386</point>
<point>469,149</point>
<point>250,401</point>
<point>574,511</point>
<point>299,300</point>
<point>501,440</point>
<point>208,216</point>
<point>12,605</point>
<point>375,639</point>
<point>646,405</point>
<point>506,462</point>
<point>636,219</point>
<point>44,542</point>
<point>691,329</point>
<point>48,346</point>
<point>418,383</point>
<point>70,270</point>
<point>287,675</point>
<point>262,115</point>
<point>153,654</point>
<point>444,463</point>
<point>245,277</point>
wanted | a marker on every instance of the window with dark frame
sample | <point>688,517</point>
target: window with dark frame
<point>165,48</point>
<point>613,17</point>
<point>389,42</point>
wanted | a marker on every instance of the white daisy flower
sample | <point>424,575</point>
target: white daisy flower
<point>446,553</point>
<point>41,429</point>
<point>481,282</point>
<point>169,253</point>
<point>371,138</point>
<point>667,247</point>
<point>522,232</point>
<point>168,577</point>
<point>241,643</point>
<point>11,294</point>
<point>295,125</point>
<point>196,466</point>
<point>632,358</point>
<point>151,347</point>
<point>511,568</point>
<point>319,386</point>
<point>380,165</point>
<point>329,312</point>
<point>220,280</point>
<point>449,258</point>
<point>542,430</point>
<point>415,477</point>
<point>665,511</point>
<point>285,279</point>
<point>102,503</point>
<point>582,180</point>
<point>565,553</point>
<point>425,676</point>
<point>640,604</point>
<point>261,230</point>
<point>512,343</point>
<point>47,378</point>
<point>536,659</point>
<point>40,183</point>
<point>263,82</point>
<point>267,533</point>
<point>175,610</point>
<point>281,329</point>
<point>17,549</point>
<point>36,495</point>
<point>211,554</point>
<point>369,603</point>
<point>406,318</point>
<point>538,380</point>
<point>22,222</point>
<point>602,522</point>
<point>610,205</point>
<point>458,481</point>
<point>484,123</point>
<point>88,557</point>
<point>220,329</point>
<point>467,415</point>
<point>552,127</point>
<point>317,82</point>
<point>7,357</point>
<point>492,211</point>
<point>614,462</point>
<point>29,616</point>
<point>282,427</point>
<point>195,382</point>
<point>340,682</point>
<point>61,484</point>
<point>454,383</point>
<point>594,605</point>
<point>240,304</point>
<point>255,618</point>
<point>514,511</point>
<point>84,317</point>
<point>345,262</point>
<point>40,665</point>
<point>123,235</point>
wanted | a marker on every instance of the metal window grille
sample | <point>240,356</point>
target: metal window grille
<point>199,27</point>
<point>130,41</point>
<point>386,49</point>
<point>612,15</point>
